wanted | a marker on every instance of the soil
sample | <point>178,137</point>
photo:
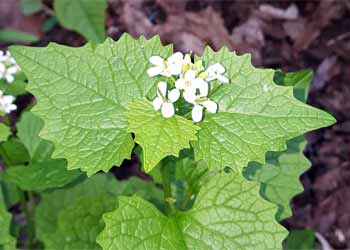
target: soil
<point>287,35</point>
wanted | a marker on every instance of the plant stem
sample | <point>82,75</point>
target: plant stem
<point>28,216</point>
<point>186,200</point>
<point>168,199</point>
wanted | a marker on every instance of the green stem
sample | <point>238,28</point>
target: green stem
<point>28,216</point>
<point>186,200</point>
<point>168,199</point>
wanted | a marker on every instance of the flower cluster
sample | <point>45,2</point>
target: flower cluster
<point>189,80</point>
<point>6,103</point>
<point>8,67</point>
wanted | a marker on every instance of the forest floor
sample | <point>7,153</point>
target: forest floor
<point>287,35</point>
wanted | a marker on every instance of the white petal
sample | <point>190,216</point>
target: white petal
<point>175,69</point>
<point>180,83</point>
<point>157,103</point>
<point>223,79</point>
<point>157,60</point>
<point>8,99</point>
<point>211,106</point>
<point>202,85</point>
<point>210,77</point>
<point>190,96</point>
<point>162,87</point>
<point>9,78</point>
<point>197,113</point>
<point>168,110</point>
<point>10,108</point>
<point>12,70</point>
<point>217,67</point>
<point>2,68</point>
<point>154,71</point>
<point>173,95</point>
<point>175,58</point>
<point>190,75</point>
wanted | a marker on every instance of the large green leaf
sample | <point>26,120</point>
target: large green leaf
<point>83,94</point>
<point>228,214</point>
<point>40,176</point>
<point>71,217</point>
<point>279,177</point>
<point>84,16</point>
<point>255,115</point>
<point>7,242</point>
<point>158,136</point>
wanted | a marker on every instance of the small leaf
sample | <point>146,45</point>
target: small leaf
<point>41,176</point>
<point>30,7</point>
<point>158,136</point>
<point>7,241</point>
<point>18,87</point>
<point>83,94</point>
<point>13,152</point>
<point>9,35</point>
<point>85,17</point>
<point>5,132</point>
<point>28,132</point>
<point>228,214</point>
<point>300,240</point>
<point>255,115</point>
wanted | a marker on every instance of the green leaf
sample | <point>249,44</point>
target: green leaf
<point>255,115</point>
<point>13,152</point>
<point>9,35</point>
<point>5,132</point>
<point>9,191</point>
<point>71,218</point>
<point>41,176</point>
<point>85,17</point>
<point>28,129</point>
<point>300,240</point>
<point>280,175</point>
<point>18,87</point>
<point>158,136</point>
<point>83,94</point>
<point>7,241</point>
<point>30,7</point>
<point>79,225</point>
<point>54,202</point>
<point>228,214</point>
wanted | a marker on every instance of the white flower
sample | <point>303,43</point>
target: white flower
<point>8,73</point>
<point>8,67</point>
<point>6,103</point>
<point>165,100</point>
<point>190,83</point>
<point>166,67</point>
<point>215,71</point>
<point>197,111</point>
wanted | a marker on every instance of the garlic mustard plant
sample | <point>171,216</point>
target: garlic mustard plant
<point>187,118</point>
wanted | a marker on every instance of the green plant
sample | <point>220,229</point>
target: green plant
<point>201,128</point>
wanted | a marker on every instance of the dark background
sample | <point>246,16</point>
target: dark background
<point>287,35</point>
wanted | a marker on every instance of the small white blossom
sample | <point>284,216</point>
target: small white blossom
<point>215,71</point>
<point>6,103</point>
<point>8,67</point>
<point>166,67</point>
<point>190,83</point>
<point>197,111</point>
<point>165,100</point>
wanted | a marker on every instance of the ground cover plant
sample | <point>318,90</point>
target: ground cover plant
<point>201,126</point>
